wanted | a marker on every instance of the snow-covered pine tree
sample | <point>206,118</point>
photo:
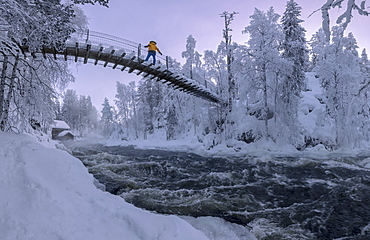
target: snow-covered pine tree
<point>365,63</point>
<point>107,123</point>
<point>294,47</point>
<point>291,82</point>
<point>172,123</point>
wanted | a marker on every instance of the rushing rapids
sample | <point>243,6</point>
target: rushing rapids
<point>277,198</point>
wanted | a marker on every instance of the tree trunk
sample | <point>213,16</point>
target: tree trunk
<point>6,107</point>
<point>326,19</point>
<point>265,106</point>
<point>135,117</point>
<point>2,88</point>
<point>230,81</point>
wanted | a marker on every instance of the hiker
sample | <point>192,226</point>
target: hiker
<point>152,48</point>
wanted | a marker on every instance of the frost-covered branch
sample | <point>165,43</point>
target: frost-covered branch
<point>101,2</point>
<point>363,87</point>
<point>345,18</point>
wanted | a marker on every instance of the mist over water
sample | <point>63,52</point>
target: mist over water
<point>279,198</point>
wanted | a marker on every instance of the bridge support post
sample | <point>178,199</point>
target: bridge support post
<point>139,51</point>
<point>87,35</point>
<point>167,62</point>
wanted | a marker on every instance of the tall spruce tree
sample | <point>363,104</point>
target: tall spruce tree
<point>294,47</point>
<point>107,118</point>
<point>292,82</point>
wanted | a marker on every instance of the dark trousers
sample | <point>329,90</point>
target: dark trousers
<point>151,53</point>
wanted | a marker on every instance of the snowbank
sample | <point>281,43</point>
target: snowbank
<point>310,112</point>
<point>261,150</point>
<point>45,193</point>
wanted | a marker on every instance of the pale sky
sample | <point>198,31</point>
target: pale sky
<point>170,22</point>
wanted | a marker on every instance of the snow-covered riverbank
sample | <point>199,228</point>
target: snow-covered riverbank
<point>45,193</point>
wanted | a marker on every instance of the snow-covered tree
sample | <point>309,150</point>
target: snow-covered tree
<point>27,91</point>
<point>107,123</point>
<point>122,102</point>
<point>88,116</point>
<point>293,81</point>
<point>192,69</point>
<point>37,24</point>
<point>28,86</point>
<point>150,105</point>
<point>228,50</point>
<point>215,67</point>
<point>70,109</point>
<point>364,95</point>
<point>294,47</point>
<point>340,76</point>
<point>192,57</point>
<point>126,102</point>
<point>172,123</point>
<point>79,113</point>
<point>264,42</point>
<point>365,63</point>
<point>6,92</point>
<point>317,44</point>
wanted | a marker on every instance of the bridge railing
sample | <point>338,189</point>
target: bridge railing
<point>130,47</point>
<point>108,41</point>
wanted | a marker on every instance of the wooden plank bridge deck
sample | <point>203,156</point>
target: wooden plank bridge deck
<point>127,59</point>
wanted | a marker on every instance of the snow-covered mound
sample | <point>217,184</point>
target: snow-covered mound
<point>47,194</point>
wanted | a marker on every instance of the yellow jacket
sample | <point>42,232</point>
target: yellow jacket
<point>153,47</point>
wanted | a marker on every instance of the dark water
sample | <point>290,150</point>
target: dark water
<point>279,198</point>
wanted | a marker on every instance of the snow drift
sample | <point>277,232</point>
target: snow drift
<point>45,193</point>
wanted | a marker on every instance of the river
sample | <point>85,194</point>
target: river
<point>276,198</point>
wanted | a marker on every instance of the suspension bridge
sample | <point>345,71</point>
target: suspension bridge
<point>118,53</point>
